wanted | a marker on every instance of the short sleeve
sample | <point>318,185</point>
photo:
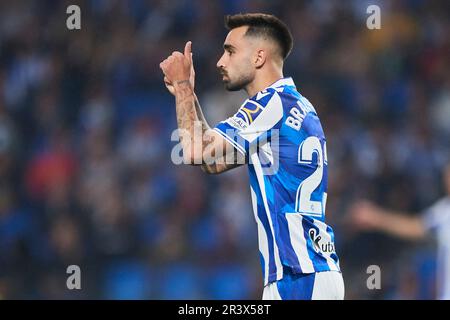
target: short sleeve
<point>437,215</point>
<point>256,119</point>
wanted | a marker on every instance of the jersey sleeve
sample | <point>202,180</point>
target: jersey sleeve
<point>254,121</point>
<point>436,215</point>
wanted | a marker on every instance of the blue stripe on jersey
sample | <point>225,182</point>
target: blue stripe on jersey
<point>263,97</point>
<point>263,264</point>
<point>288,257</point>
<point>270,194</point>
<point>312,125</point>
<point>296,287</point>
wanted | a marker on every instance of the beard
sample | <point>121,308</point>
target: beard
<point>240,83</point>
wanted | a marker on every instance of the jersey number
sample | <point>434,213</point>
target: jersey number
<point>303,203</point>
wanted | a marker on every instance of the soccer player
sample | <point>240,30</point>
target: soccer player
<point>434,220</point>
<point>277,133</point>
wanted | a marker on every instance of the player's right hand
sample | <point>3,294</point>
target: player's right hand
<point>169,84</point>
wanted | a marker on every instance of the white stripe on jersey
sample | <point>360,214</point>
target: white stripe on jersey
<point>328,285</point>
<point>262,187</point>
<point>262,237</point>
<point>234,143</point>
<point>298,241</point>
<point>268,118</point>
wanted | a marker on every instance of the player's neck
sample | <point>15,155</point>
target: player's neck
<point>263,81</point>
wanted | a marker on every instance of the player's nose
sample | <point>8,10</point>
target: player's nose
<point>220,63</point>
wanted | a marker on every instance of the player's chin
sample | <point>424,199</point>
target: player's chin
<point>231,86</point>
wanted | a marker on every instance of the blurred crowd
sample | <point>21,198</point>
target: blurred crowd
<point>86,176</point>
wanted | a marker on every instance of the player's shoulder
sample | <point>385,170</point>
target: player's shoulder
<point>300,114</point>
<point>264,102</point>
<point>441,205</point>
<point>437,214</point>
<point>260,101</point>
<point>262,98</point>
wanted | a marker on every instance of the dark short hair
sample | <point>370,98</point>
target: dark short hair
<point>263,25</point>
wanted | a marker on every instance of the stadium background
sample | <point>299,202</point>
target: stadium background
<point>86,176</point>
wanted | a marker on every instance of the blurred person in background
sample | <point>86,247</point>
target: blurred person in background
<point>275,127</point>
<point>435,220</point>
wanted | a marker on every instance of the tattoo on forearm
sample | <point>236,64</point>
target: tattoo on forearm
<point>191,122</point>
<point>190,116</point>
<point>186,115</point>
<point>180,82</point>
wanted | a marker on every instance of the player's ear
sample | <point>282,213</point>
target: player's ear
<point>260,58</point>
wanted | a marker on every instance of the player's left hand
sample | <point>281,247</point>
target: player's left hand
<point>178,67</point>
<point>364,215</point>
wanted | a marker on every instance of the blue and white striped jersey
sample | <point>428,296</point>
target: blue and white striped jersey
<point>280,134</point>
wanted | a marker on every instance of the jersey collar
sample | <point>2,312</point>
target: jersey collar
<point>283,82</point>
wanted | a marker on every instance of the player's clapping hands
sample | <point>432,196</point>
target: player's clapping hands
<point>178,67</point>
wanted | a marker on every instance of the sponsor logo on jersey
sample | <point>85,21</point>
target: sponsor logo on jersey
<point>251,110</point>
<point>238,122</point>
<point>327,247</point>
